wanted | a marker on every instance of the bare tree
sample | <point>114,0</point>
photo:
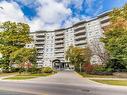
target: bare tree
<point>97,48</point>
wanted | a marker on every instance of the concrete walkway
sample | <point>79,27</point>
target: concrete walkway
<point>64,77</point>
<point>3,77</point>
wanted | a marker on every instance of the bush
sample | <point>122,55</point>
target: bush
<point>97,69</point>
<point>34,70</point>
<point>47,70</point>
<point>101,70</point>
<point>5,69</point>
<point>88,68</point>
<point>13,69</point>
<point>116,65</point>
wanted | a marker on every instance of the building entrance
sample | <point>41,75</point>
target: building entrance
<point>58,65</point>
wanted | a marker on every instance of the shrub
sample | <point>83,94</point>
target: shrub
<point>5,69</point>
<point>47,70</point>
<point>13,69</point>
<point>34,70</point>
<point>101,70</point>
<point>97,69</point>
<point>116,65</point>
<point>88,68</point>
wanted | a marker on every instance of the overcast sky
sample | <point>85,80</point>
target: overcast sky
<point>54,14</point>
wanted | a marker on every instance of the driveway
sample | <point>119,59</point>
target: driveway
<point>62,83</point>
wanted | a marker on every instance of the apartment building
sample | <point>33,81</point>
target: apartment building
<point>59,44</point>
<point>52,45</point>
<point>49,49</point>
<point>80,34</point>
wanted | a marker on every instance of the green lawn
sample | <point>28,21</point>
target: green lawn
<point>27,76</point>
<point>112,82</point>
<point>95,76</point>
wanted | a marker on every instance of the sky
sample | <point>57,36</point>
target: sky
<point>54,14</point>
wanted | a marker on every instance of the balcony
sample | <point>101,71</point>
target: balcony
<point>82,37</point>
<point>38,56</point>
<point>60,45</point>
<point>59,42</point>
<point>40,52</point>
<point>105,24</point>
<point>39,43</point>
<point>40,61</point>
<point>82,42</point>
<point>59,51</point>
<point>39,47</point>
<point>59,55</point>
<point>105,21</point>
<point>83,32</point>
<point>105,18</point>
<point>40,36</point>
<point>42,39</point>
<point>59,37</point>
<point>59,33</point>
<point>79,28</point>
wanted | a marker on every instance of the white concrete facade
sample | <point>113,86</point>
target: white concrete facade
<point>49,49</point>
<point>52,45</point>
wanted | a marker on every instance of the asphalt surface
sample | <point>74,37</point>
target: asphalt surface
<point>62,83</point>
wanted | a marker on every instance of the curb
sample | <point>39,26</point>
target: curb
<point>79,75</point>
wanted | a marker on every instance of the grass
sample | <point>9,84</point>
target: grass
<point>112,82</point>
<point>25,76</point>
<point>6,74</point>
<point>95,76</point>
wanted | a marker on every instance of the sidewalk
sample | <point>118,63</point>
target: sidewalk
<point>3,77</point>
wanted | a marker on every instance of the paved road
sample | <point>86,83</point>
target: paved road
<point>63,83</point>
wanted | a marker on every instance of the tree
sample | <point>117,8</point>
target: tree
<point>115,39</point>
<point>98,50</point>
<point>24,57</point>
<point>78,56</point>
<point>13,36</point>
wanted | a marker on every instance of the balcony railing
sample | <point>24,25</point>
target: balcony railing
<point>60,50</point>
<point>82,32</point>
<point>105,18</point>
<point>59,41</point>
<point>38,56</point>
<point>40,38</point>
<point>80,37</point>
<point>59,55</point>
<point>76,29</point>
<point>59,37</point>
<point>105,24</point>
<point>80,42</point>
<point>60,33</point>
<point>39,43</point>
<point>57,46</point>
<point>39,47</point>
